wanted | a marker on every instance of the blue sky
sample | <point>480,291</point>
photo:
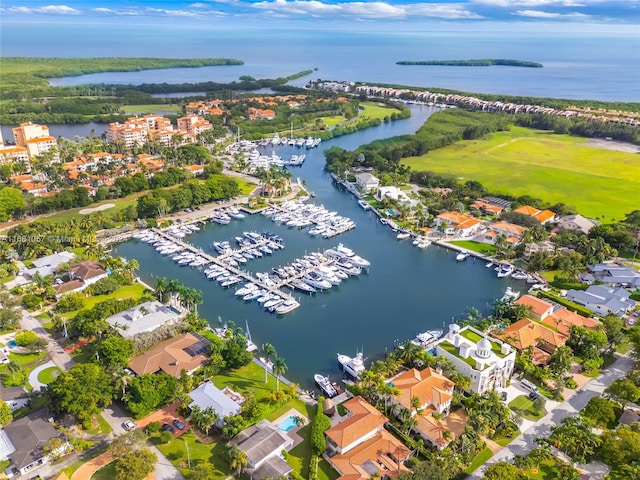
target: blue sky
<point>475,11</point>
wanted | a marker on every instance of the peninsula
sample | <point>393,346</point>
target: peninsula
<point>487,62</point>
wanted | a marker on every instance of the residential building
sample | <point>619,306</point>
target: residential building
<point>394,193</point>
<point>195,169</point>
<point>136,131</point>
<point>563,319</point>
<point>539,309</point>
<point>526,333</point>
<point>224,402</point>
<point>88,272</point>
<point>145,317</point>
<point>48,264</point>
<point>263,444</point>
<point>261,114</point>
<point>543,216</point>
<point>487,207</point>
<point>359,446</point>
<point>576,222</point>
<point>603,300</point>
<point>193,125</point>
<point>510,231</point>
<point>612,275</point>
<point>23,440</point>
<point>488,362</point>
<point>434,393</point>
<point>367,182</point>
<point>35,139</point>
<point>532,248</point>
<point>30,184</point>
<point>15,397</point>
<point>13,153</point>
<point>188,352</point>
<point>457,224</point>
<point>71,286</point>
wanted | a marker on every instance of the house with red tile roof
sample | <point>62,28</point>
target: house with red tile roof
<point>539,309</point>
<point>543,216</point>
<point>458,224</point>
<point>186,352</point>
<point>564,319</point>
<point>526,333</point>
<point>359,446</point>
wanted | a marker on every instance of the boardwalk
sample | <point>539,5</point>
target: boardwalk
<point>219,261</point>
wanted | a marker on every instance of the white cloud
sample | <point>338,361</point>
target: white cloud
<point>199,5</point>
<point>532,3</point>
<point>172,13</point>
<point>541,14</point>
<point>366,10</point>
<point>110,11</point>
<point>48,9</point>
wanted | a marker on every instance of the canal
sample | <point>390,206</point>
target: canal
<point>407,290</point>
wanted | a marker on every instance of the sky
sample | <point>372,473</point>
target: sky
<point>584,12</point>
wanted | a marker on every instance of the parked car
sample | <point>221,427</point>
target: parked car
<point>178,424</point>
<point>168,428</point>
<point>533,395</point>
<point>129,425</point>
<point>503,396</point>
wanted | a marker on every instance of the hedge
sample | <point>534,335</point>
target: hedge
<point>585,312</point>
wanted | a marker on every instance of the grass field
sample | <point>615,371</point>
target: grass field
<point>474,246</point>
<point>556,168</point>
<point>524,406</point>
<point>376,110</point>
<point>157,107</point>
<point>480,459</point>
<point>128,291</point>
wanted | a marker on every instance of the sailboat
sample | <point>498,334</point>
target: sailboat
<point>251,347</point>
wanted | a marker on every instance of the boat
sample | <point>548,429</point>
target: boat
<point>364,204</point>
<point>424,243</point>
<point>519,275</point>
<point>489,265</point>
<point>403,235</point>
<point>462,256</point>
<point>510,295</point>
<point>285,307</point>
<point>505,270</point>
<point>325,385</point>
<point>427,339</point>
<point>353,366</point>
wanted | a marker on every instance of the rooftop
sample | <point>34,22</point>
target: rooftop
<point>145,317</point>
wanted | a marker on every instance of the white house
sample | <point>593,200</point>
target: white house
<point>145,317</point>
<point>47,265</point>
<point>225,402</point>
<point>603,300</point>
<point>15,397</point>
<point>391,192</point>
<point>367,182</point>
<point>576,222</point>
<point>458,224</point>
<point>487,361</point>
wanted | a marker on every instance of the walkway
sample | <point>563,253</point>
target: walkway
<point>92,466</point>
<point>33,376</point>
<point>59,357</point>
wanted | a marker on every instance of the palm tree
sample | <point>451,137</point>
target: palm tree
<point>279,368</point>
<point>160,287</point>
<point>237,458</point>
<point>268,351</point>
<point>14,367</point>
<point>196,298</point>
<point>122,381</point>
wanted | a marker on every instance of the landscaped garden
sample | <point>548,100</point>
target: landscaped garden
<point>483,248</point>
<point>524,406</point>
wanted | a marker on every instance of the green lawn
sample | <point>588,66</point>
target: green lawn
<point>119,204</point>
<point>504,441</point>
<point>333,120</point>
<point>23,359</point>
<point>245,187</point>
<point>249,377</point>
<point>108,472</point>
<point>212,453</point>
<point>480,459</point>
<point>524,406</point>
<point>157,107</point>
<point>128,291</point>
<point>102,426</point>
<point>546,470</point>
<point>48,375</point>
<point>555,168</point>
<point>483,248</point>
<point>376,110</point>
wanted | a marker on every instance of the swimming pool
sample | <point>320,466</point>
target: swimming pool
<point>12,344</point>
<point>287,424</point>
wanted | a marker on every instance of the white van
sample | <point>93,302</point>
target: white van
<point>529,385</point>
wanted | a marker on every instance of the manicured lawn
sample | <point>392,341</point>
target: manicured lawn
<point>119,204</point>
<point>480,459</point>
<point>212,453</point>
<point>333,120</point>
<point>483,248</point>
<point>376,110</point>
<point>101,427</point>
<point>245,187</point>
<point>128,291</point>
<point>43,316</point>
<point>524,406</point>
<point>555,168</point>
<point>504,441</point>
<point>108,472</point>
<point>249,377</point>
<point>23,359</point>
<point>48,375</point>
<point>158,107</point>
<point>547,470</point>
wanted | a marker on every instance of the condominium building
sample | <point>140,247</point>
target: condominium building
<point>34,139</point>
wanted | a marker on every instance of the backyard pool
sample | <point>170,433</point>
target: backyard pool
<point>12,344</point>
<point>287,424</point>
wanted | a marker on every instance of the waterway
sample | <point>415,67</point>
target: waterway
<point>407,290</point>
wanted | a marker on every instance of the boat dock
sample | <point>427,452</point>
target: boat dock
<point>211,259</point>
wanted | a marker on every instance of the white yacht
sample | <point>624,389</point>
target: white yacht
<point>462,256</point>
<point>325,385</point>
<point>505,270</point>
<point>364,204</point>
<point>353,366</point>
<point>427,339</point>
<point>510,295</point>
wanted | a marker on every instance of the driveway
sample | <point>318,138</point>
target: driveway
<point>526,441</point>
<point>165,415</point>
<point>61,358</point>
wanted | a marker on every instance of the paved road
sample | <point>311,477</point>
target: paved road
<point>525,442</point>
<point>61,358</point>
<point>115,416</point>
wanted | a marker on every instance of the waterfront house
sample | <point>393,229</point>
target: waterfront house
<point>145,317</point>
<point>394,193</point>
<point>48,264</point>
<point>486,361</point>
<point>359,446</point>
<point>367,183</point>
<point>603,300</point>
<point>88,272</point>
<point>576,222</point>
<point>486,207</point>
<point>526,333</point>
<point>224,402</point>
<point>510,231</point>
<point>458,224</point>
<point>539,309</point>
<point>612,275</point>
<point>187,352</point>
<point>532,248</point>
<point>543,216</point>
<point>564,319</point>
<point>263,444</point>
<point>434,392</point>
<point>22,442</point>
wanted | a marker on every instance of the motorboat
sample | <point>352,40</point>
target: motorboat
<point>353,366</point>
<point>427,339</point>
<point>505,270</point>
<point>353,258</point>
<point>317,281</point>
<point>510,295</point>
<point>403,235</point>
<point>519,275</point>
<point>462,256</point>
<point>325,385</point>
<point>364,204</point>
<point>247,288</point>
<point>423,243</point>
<point>302,286</point>
<point>285,307</point>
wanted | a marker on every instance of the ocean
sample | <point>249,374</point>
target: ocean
<point>587,64</point>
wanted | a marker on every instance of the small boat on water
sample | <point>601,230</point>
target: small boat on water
<point>427,339</point>
<point>403,235</point>
<point>365,205</point>
<point>510,295</point>
<point>462,256</point>
<point>353,366</point>
<point>519,275</point>
<point>489,265</point>
<point>325,385</point>
<point>505,270</point>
